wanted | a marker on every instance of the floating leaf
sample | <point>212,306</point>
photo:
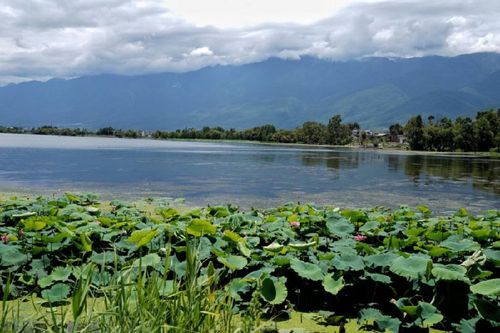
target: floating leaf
<point>449,272</point>
<point>34,224</point>
<point>274,247</point>
<point>274,290</point>
<point>142,237</point>
<point>61,273</point>
<point>11,256</point>
<point>412,267</point>
<point>428,314</point>
<point>306,270</point>
<point>233,262</point>
<point>346,262</point>
<point>102,258</point>
<point>301,246</point>
<point>333,286</point>
<point>149,260</point>
<point>381,260</point>
<point>56,293</point>
<point>487,288</point>
<point>340,227</point>
<point>381,321</point>
<point>200,227</point>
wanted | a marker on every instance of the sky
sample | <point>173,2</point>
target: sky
<point>42,39</point>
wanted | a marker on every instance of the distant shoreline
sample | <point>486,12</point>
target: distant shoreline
<point>385,150</point>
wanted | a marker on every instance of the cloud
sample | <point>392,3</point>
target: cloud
<point>58,38</point>
<point>201,51</point>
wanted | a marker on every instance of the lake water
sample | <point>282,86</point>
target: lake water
<point>245,174</point>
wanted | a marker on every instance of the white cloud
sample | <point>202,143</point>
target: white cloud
<point>201,51</point>
<point>59,38</point>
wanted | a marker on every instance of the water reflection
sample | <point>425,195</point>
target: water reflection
<point>239,171</point>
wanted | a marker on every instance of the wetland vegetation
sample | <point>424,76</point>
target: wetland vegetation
<point>89,266</point>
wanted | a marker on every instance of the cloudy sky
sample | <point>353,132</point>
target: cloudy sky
<point>40,39</point>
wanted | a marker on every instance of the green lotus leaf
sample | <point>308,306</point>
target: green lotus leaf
<point>34,224</point>
<point>449,272</point>
<point>233,262</point>
<point>102,258</point>
<point>199,227</point>
<point>332,285</point>
<point>86,242</point>
<point>274,247</point>
<point>23,215</point>
<point>165,287</point>
<point>56,293</point>
<point>348,261</point>
<point>487,288</point>
<point>61,273</point>
<point>340,227</point>
<point>428,314</point>
<point>11,256</point>
<point>244,250</point>
<point>412,267</point>
<point>45,281</point>
<point>457,244</point>
<point>142,237</point>
<point>382,322</point>
<point>382,278</point>
<point>301,246</point>
<point>369,226</point>
<point>438,251</point>
<point>233,236</point>
<point>238,286</point>
<point>274,290</point>
<point>306,270</point>
<point>381,260</point>
<point>149,260</point>
<point>492,255</point>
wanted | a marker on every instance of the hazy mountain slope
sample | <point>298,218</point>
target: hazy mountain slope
<point>374,92</point>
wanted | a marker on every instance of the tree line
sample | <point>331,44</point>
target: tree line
<point>462,134</point>
<point>311,132</point>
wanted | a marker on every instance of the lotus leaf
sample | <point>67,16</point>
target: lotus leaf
<point>233,262</point>
<point>449,272</point>
<point>340,227</point>
<point>383,322</point>
<point>332,285</point>
<point>274,290</point>
<point>56,293</point>
<point>199,227</point>
<point>412,267</point>
<point>142,237</point>
<point>306,270</point>
<point>487,288</point>
<point>274,247</point>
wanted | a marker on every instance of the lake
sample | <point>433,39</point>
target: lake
<point>245,174</point>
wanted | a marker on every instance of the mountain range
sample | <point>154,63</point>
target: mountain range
<point>374,92</point>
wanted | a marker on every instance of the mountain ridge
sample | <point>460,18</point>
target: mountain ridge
<point>373,91</point>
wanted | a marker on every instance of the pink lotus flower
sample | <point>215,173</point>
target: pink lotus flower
<point>360,238</point>
<point>4,239</point>
<point>295,224</point>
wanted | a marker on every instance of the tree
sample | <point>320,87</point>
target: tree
<point>414,131</point>
<point>338,133</point>
<point>394,131</point>
<point>312,132</point>
<point>463,134</point>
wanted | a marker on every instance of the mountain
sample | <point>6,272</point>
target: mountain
<point>374,92</point>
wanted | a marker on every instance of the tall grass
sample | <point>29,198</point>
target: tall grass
<point>139,300</point>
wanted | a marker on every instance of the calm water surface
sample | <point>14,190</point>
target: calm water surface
<point>245,174</point>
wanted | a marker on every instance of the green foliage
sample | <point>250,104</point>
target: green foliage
<point>441,271</point>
